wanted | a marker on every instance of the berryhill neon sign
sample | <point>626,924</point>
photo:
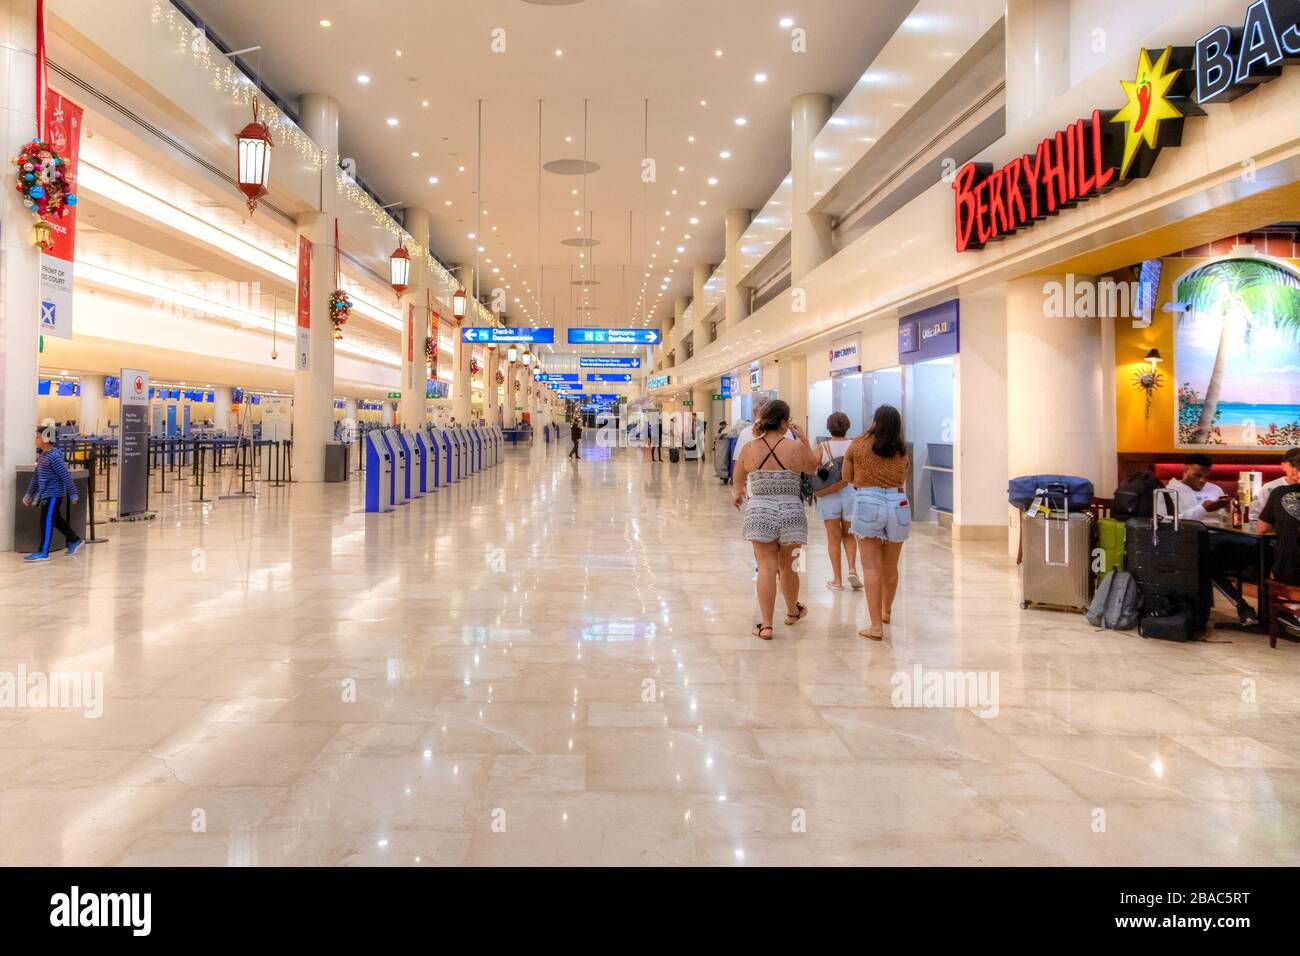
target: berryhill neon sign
<point>1113,147</point>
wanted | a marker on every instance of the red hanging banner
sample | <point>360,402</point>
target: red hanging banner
<point>304,282</point>
<point>61,132</point>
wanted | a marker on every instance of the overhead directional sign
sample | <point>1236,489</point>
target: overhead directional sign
<point>601,361</point>
<point>609,376</point>
<point>490,336</point>
<point>657,381</point>
<point>549,377</point>
<point>614,336</point>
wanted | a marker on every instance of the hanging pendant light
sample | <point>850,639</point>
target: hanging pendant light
<point>253,156</point>
<point>513,355</point>
<point>458,304</point>
<point>399,269</point>
<point>528,358</point>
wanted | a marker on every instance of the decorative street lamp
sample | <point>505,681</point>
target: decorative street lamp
<point>399,270</point>
<point>458,304</point>
<point>253,151</point>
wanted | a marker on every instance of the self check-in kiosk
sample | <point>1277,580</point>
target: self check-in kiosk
<point>437,455</point>
<point>414,464</point>
<point>462,459</point>
<point>379,473</point>
<point>471,443</point>
<point>426,464</point>
<point>401,490</point>
<point>478,448</point>
<point>449,454</point>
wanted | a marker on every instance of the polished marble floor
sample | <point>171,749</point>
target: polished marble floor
<point>551,664</point>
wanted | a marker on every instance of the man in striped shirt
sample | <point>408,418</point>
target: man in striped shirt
<point>51,481</point>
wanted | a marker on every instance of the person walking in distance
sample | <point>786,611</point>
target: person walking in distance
<point>51,483</point>
<point>835,505</point>
<point>768,471</point>
<point>876,465</point>
<point>575,433</point>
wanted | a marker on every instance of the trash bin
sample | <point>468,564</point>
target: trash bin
<point>28,533</point>
<point>336,461</point>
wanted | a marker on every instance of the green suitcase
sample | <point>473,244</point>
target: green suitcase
<point>1110,542</point>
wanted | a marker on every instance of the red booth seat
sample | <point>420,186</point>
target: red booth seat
<point>1224,474</point>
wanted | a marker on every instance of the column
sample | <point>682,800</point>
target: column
<point>792,387</point>
<point>700,313</point>
<point>680,327</point>
<point>92,396</point>
<point>492,391</point>
<point>350,408</point>
<point>735,308</point>
<point>810,232</point>
<point>508,416</point>
<point>1037,57</point>
<point>702,406</point>
<point>390,415</point>
<point>415,327</point>
<point>313,386</point>
<point>19,293</point>
<point>1054,384</point>
<point>980,418</point>
<point>223,399</point>
<point>462,389</point>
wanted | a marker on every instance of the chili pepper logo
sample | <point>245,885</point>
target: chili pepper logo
<point>1147,107</point>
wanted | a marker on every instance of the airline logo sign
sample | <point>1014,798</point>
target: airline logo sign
<point>844,356</point>
<point>1111,148</point>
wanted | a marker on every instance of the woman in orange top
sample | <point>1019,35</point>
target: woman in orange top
<point>876,465</point>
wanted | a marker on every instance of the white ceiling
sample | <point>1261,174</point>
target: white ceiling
<point>616,56</point>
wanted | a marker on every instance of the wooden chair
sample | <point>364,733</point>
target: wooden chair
<point>1279,595</point>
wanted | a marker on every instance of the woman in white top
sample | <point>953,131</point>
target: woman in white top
<point>835,505</point>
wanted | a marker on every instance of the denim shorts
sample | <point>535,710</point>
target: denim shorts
<point>838,504</point>
<point>882,513</point>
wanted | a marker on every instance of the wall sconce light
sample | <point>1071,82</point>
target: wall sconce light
<point>1149,378</point>
<point>1154,358</point>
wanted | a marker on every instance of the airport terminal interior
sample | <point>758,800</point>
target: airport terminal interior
<point>727,433</point>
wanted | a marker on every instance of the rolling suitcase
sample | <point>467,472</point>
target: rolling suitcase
<point>1171,561</point>
<point>674,455</point>
<point>1110,542</point>
<point>1057,547</point>
<point>722,459</point>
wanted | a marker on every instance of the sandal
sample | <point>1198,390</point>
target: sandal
<point>855,582</point>
<point>834,587</point>
<point>793,619</point>
<point>759,629</point>
<point>875,634</point>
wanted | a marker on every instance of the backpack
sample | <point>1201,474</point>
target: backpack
<point>1135,497</point>
<point>1117,604</point>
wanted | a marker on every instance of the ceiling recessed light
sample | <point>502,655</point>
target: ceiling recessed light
<point>787,22</point>
<point>433,180</point>
<point>725,154</point>
<point>425,104</point>
<point>741,121</point>
<point>363,78</point>
<point>415,155</point>
<point>392,121</point>
<point>462,168</point>
<point>326,24</point>
<point>713,180</point>
<point>717,53</point>
<point>704,102</point>
<point>760,77</point>
<point>690,139</point>
<point>398,52</point>
<point>695,220</point>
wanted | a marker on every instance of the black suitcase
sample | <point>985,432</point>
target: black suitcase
<point>1171,562</point>
<point>674,455</point>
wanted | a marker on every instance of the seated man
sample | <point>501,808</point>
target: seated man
<point>1281,514</point>
<point>1197,498</point>
<point>1290,476</point>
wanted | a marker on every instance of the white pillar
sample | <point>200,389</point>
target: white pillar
<point>699,276</point>
<point>492,391</point>
<point>390,415</point>
<point>462,388</point>
<point>1037,57</point>
<point>810,232</point>
<point>92,395</point>
<point>508,418</point>
<point>735,308</point>
<point>792,387</point>
<point>980,417</point>
<point>350,408</point>
<point>223,398</point>
<point>415,324</point>
<point>313,387</point>
<point>19,293</point>
<point>1054,385</point>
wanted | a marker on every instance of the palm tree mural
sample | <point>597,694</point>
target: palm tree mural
<point>1246,294</point>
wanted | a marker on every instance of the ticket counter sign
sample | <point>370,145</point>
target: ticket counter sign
<point>133,444</point>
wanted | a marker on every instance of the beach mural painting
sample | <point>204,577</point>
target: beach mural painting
<point>1237,354</point>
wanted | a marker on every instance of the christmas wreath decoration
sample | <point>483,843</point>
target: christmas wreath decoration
<point>429,350</point>
<point>340,310</point>
<point>501,377</point>
<point>474,367</point>
<point>45,191</point>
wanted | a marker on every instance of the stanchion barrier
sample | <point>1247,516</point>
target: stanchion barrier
<point>201,451</point>
<point>90,536</point>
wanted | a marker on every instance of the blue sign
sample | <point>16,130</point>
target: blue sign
<point>491,336</point>
<point>657,381</point>
<point>548,377</point>
<point>724,386</point>
<point>930,334</point>
<point>614,336</point>
<point>609,376</point>
<point>600,361</point>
